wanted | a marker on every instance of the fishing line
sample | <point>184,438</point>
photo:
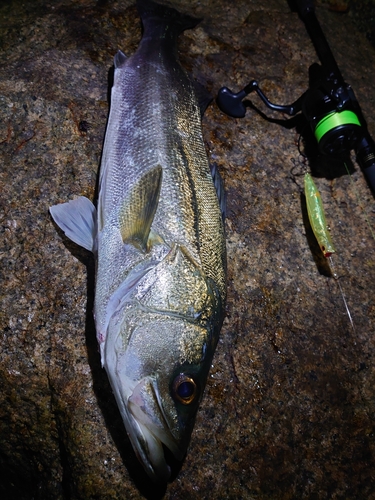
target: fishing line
<point>337,279</point>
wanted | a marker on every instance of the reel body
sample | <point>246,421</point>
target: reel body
<point>329,105</point>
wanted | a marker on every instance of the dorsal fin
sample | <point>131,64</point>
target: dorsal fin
<point>219,186</point>
<point>138,210</point>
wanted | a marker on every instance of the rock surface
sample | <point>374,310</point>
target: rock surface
<point>289,408</point>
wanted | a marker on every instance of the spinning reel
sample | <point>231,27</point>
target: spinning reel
<point>329,105</point>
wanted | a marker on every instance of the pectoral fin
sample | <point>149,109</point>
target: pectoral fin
<point>138,210</point>
<point>77,219</point>
<point>119,59</point>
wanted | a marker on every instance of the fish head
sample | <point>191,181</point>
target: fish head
<point>157,366</point>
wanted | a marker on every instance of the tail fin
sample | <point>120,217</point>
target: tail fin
<point>153,13</point>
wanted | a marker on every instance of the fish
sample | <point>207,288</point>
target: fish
<point>158,238</point>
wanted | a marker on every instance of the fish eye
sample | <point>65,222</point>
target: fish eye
<point>184,389</point>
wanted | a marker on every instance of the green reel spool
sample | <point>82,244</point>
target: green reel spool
<point>334,122</point>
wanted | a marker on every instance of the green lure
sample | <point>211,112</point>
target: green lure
<point>317,217</point>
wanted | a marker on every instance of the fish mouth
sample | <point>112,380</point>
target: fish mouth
<point>149,431</point>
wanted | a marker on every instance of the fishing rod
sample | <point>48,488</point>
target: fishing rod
<point>329,104</point>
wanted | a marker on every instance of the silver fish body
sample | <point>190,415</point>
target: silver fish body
<point>159,241</point>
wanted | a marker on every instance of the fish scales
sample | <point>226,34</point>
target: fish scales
<point>189,216</point>
<point>159,243</point>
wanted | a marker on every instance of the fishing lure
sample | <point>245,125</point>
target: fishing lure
<point>317,217</point>
<point>319,226</point>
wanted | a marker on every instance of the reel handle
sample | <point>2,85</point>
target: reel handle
<point>231,103</point>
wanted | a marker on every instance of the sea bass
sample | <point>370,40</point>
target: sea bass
<point>158,238</point>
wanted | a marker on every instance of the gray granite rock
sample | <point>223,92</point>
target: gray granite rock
<point>289,407</point>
